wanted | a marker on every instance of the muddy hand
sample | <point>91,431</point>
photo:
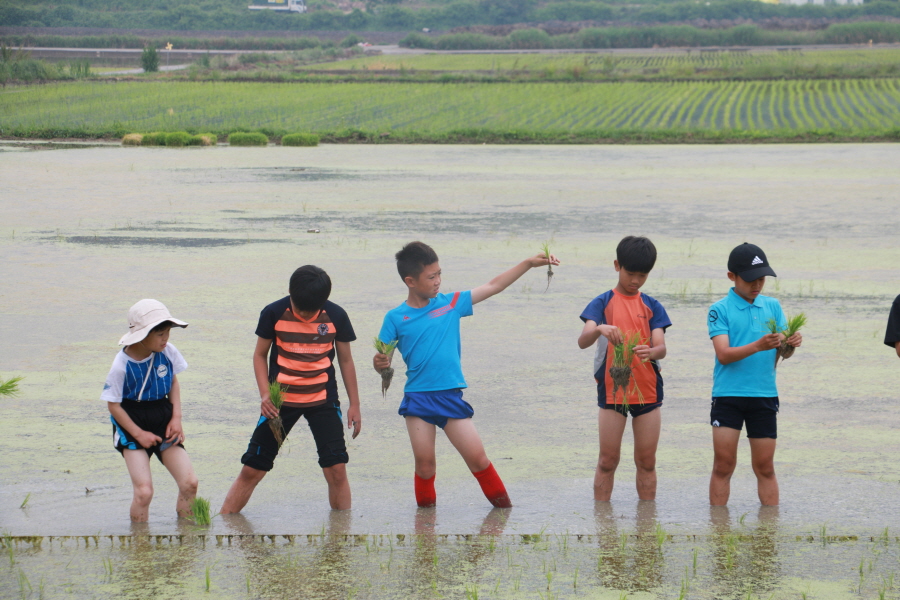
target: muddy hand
<point>381,362</point>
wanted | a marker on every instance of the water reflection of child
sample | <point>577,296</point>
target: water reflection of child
<point>744,376</point>
<point>612,316</point>
<point>892,335</point>
<point>144,401</point>
<point>426,326</point>
<point>307,331</point>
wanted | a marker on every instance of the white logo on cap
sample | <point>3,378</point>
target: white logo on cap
<point>757,261</point>
<point>162,371</point>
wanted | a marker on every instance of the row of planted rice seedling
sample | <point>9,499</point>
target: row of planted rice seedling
<point>841,105</point>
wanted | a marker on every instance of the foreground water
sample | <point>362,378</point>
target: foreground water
<point>215,234</point>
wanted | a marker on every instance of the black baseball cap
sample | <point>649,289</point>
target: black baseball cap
<point>749,262</point>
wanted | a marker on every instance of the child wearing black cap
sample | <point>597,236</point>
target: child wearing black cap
<point>744,387</point>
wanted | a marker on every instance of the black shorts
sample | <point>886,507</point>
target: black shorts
<point>636,410</point>
<point>324,422</point>
<point>760,414</point>
<point>149,415</point>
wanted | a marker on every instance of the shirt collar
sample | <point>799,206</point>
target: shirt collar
<point>739,302</point>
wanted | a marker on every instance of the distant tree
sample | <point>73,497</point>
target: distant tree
<point>150,60</point>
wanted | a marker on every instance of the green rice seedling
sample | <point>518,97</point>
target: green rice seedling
<point>10,549</point>
<point>177,139</point>
<point>387,373</point>
<point>254,138</point>
<point>132,139</point>
<point>300,139</point>
<point>200,511</point>
<point>203,139</point>
<point>276,395</point>
<point>545,248</point>
<point>10,387</point>
<point>620,372</point>
<point>207,578</point>
<point>25,501</point>
<point>153,139</point>
<point>794,324</point>
<point>24,584</point>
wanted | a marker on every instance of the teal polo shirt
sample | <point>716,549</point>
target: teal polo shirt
<point>744,323</point>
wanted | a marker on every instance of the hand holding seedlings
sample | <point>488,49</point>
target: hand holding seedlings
<point>611,333</point>
<point>789,338</point>
<point>382,363</point>
<point>276,398</point>
<point>620,372</point>
<point>545,250</point>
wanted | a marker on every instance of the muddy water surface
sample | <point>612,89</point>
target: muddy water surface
<point>215,234</point>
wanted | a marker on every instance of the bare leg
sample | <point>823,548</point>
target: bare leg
<point>611,425</point>
<point>646,438</point>
<point>725,445</point>
<point>421,436</point>
<point>241,490</point>
<point>464,437</point>
<point>138,464</point>
<point>338,486</point>
<point>762,455</point>
<point>176,460</point>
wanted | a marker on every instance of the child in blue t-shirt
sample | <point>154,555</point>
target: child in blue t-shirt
<point>744,376</point>
<point>426,328</point>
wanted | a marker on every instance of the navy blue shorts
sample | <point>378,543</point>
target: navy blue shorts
<point>149,415</point>
<point>436,407</point>
<point>635,410</point>
<point>760,414</point>
<point>324,422</point>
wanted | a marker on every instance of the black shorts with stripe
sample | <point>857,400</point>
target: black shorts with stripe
<point>149,415</point>
<point>325,423</point>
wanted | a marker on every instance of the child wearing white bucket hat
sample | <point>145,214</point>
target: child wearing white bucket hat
<point>144,401</point>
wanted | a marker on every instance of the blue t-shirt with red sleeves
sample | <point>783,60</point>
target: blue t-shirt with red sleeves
<point>639,314</point>
<point>428,340</point>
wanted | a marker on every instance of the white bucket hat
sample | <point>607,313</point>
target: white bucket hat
<point>144,316</point>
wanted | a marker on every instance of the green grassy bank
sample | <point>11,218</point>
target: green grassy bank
<point>726,111</point>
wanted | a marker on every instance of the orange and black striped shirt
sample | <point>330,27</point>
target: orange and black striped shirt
<point>302,353</point>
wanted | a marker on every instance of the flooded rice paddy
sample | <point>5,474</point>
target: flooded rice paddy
<point>215,234</point>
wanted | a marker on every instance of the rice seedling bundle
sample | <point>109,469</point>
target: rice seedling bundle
<point>388,373</point>
<point>300,139</point>
<point>248,139</point>
<point>200,511</point>
<point>545,248</point>
<point>621,372</point>
<point>794,324</point>
<point>178,138</point>
<point>10,387</point>
<point>276,395</point>
<point>132,139</point>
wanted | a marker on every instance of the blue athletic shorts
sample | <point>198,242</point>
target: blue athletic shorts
<point>436,407</point>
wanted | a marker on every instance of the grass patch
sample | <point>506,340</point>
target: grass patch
<point>178,139</point>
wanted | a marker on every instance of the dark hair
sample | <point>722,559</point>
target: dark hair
<point>636,253</point>
<point>162,326</point>
<point>413,258</point>
<point>310,287</point>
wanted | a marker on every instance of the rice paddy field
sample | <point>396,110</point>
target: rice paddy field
<point>633,60</point>
<point>851,107</point>
<point>214,233</point>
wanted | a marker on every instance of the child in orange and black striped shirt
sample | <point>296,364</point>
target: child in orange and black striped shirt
<point>298,339</point>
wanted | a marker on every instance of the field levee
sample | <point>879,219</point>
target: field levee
<point>851,109</point>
